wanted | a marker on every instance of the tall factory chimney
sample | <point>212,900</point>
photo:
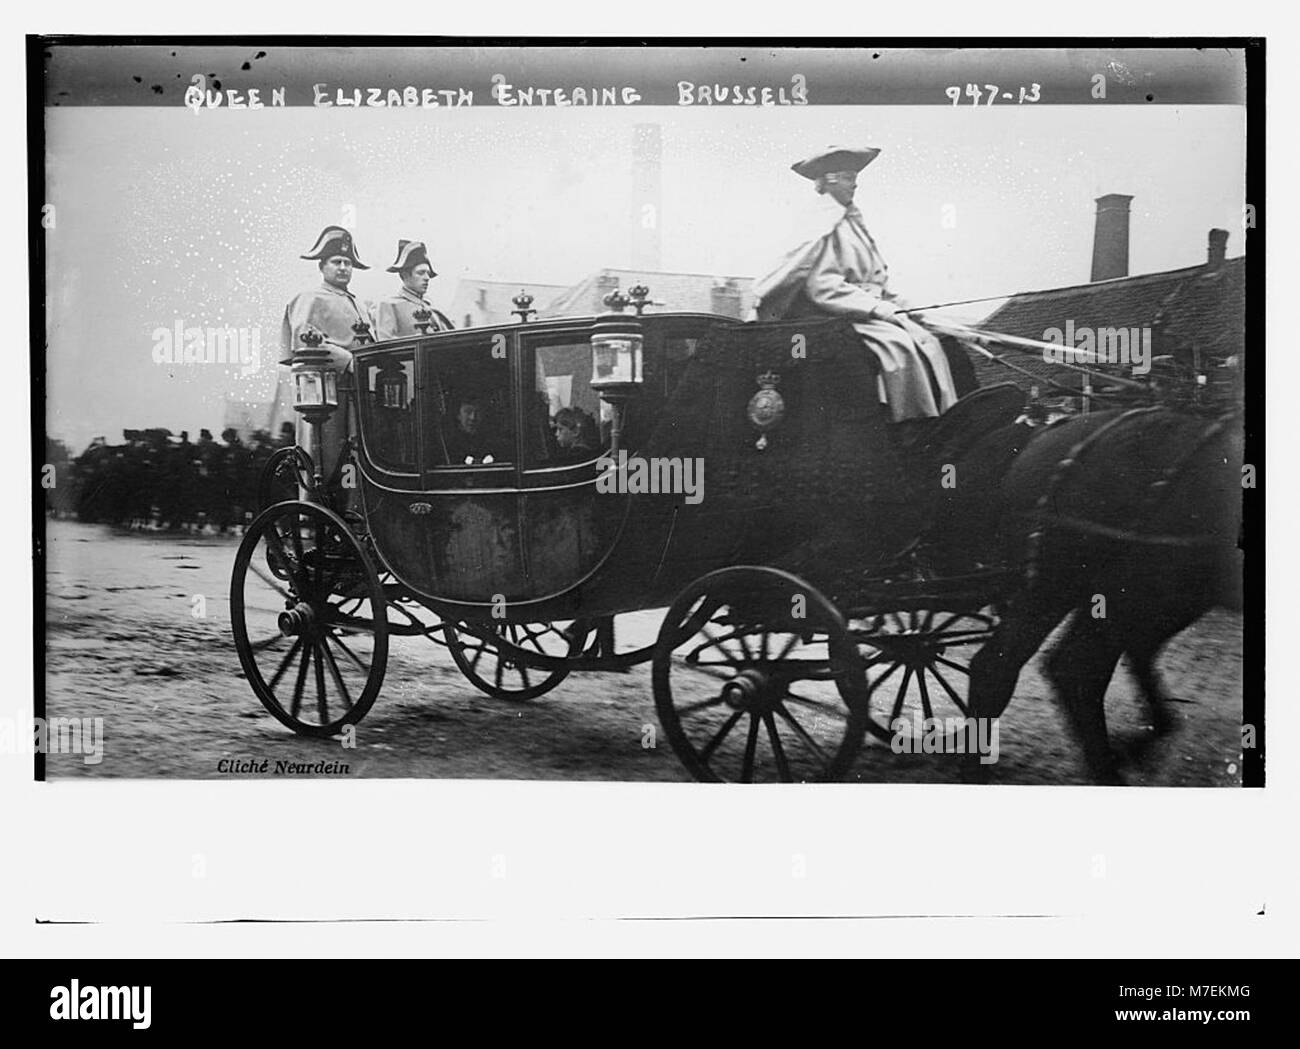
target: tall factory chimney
<point>647,197</point>
<point>1110,240</point>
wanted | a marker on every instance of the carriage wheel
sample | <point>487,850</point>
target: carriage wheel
<point>757,679</point>
<point>492,668</point>
<point>918,665</point>
<point>309,619</point>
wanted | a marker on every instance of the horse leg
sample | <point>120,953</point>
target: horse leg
<point>1079,670</point>
<point>995,669</point>
<point>1147,634</point>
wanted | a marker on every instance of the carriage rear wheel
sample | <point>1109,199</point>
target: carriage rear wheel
<point>309,619</point>
<point>756,678</point>
<point>500,658</point>
<point>918,667</point>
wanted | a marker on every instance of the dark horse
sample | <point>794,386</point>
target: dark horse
<point>1130,520</point>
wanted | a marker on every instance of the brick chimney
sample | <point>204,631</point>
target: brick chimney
<point>1110,239</point>
<point>725,297</point>
<point>1217,250</point>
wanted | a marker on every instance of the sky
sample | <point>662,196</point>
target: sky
<point>165,215</point>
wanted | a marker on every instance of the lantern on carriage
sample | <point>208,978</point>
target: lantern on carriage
<point>315,381</point>
<point>616,357</point>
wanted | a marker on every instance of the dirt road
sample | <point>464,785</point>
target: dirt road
<point>139,634</point>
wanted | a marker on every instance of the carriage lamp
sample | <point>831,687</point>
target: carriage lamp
<point>391,381</point>
<point>315,382</point>
<point>423,318</point>
<point>616,360</point>
<point>362,331</point>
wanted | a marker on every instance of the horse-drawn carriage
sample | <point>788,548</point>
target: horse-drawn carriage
<point>817,578</point>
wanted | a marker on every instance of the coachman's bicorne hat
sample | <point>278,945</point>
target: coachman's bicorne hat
<point>835,158</point>
<point>411,253</point>
<point>335,240</point>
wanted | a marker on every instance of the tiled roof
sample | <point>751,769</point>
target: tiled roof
<point>1197,306</point>
<point>492,299</point>
<point>1208,311</point>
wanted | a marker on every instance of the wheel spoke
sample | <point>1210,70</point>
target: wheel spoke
<point>751,747</point>
<point>714,642</point>
<point>785,651</point>
<point>952,692</point>
<point>284,663</point>
<point>902,695</point>
<point>778,751</point>
<point>698,705</point>
<point>873,685</point>
<point>266,642</point>
<point>298,685</point>
<point>925,694</point>
<point>338,677</point>
<point>348,652</point>
<point>322,706</point>
<point>816,704</point>
<point>803,734</point>
<point>719,736</point>
<point>270,581</point>
<point>955,666</point>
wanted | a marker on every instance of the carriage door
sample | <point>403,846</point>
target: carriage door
<point>568,528</point>
<point>464,522</point>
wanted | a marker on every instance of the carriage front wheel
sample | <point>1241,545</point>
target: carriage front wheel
<point>309,618</point>
<point>756,678</point>
<point>502,659</point>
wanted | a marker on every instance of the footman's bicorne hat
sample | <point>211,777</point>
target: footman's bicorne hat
<point>335,240</point>
<point>411,253</point>
<point>835,158</point>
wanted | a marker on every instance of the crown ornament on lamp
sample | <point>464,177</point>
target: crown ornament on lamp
<point>362,331</point>
<point>639,296</point>
<point>523,301</point>
<point>423,317</point>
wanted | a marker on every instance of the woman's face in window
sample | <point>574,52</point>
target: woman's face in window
<point>566,434</point>
<point>469,417</point>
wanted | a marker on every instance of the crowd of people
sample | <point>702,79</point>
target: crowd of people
<point>155,480</point>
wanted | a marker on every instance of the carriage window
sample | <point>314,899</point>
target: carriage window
<point>469,419</point>
<point>677,353</point>
<point>564,416</point>
<point>389,403</point>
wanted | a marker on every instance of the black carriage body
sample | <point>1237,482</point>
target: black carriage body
<point>526,524</point>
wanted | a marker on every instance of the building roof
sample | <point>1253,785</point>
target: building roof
<point>492,299</point>
<point>1200,307</point>
<point>678,292</point>
<point>1208,311</point>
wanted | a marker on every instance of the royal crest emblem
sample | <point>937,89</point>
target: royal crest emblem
<point>766,408</point>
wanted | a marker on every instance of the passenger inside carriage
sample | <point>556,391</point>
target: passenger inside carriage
<point>471,437</point>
